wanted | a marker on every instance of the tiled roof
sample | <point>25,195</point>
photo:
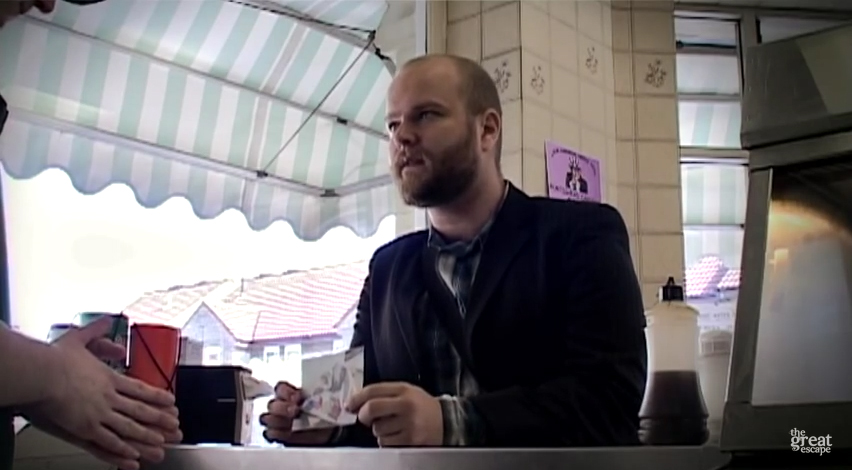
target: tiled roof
<point>708,276</point>
<point>289,305</point>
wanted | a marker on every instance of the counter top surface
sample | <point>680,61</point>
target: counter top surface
<point>261,458</point>
<point>36,450</point>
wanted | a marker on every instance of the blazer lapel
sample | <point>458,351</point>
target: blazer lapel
<point>403,298</point>
<point>509,232</point>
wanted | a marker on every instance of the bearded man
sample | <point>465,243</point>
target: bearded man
<point>513,321</point>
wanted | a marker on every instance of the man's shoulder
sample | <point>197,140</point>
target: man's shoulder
<point>402,246</point>
<point>576,215</point>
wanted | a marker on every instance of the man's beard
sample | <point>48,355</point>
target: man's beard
<point>449,176</point>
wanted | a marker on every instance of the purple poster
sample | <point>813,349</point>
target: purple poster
<point>572,175</point>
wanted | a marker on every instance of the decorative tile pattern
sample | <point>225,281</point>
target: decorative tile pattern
<point>656,74</point>
<point>537,83</point>
<point>591,60</point>
<point>537,80</point>
<point>502,75</point>
<point>505,71</point>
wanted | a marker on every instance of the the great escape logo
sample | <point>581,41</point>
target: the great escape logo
<point>801,442</point>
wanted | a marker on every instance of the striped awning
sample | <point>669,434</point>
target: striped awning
<point>274,109</point>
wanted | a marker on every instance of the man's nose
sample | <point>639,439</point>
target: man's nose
<point>405,135</point>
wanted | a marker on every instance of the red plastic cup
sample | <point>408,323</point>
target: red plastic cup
<point>154,351</point>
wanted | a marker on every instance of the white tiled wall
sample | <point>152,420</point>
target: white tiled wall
<point>648,177</point>
<point>596,75</point>
<point>555,78</point>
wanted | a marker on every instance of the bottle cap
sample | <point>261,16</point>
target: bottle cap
<point>671,292</point>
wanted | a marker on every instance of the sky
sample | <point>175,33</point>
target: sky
<point>71,253</point>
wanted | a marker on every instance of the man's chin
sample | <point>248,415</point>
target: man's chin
<point>413,195</point>
<point>412,200</point>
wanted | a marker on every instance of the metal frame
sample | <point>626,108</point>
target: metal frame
<point>5,287</point>
<point>713,155</point>
<point>801,151</point>
<point>334,31</point>
<point>735,11</point>
<point>745,427</point>
<point>620,458</point>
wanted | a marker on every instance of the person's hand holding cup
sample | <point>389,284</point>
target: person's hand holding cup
<point>117,419</point>
<point>154,351</point>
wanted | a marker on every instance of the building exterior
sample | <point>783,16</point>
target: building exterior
<point>269,318</point>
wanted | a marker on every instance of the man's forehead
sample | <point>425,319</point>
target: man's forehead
<point>431,80</point>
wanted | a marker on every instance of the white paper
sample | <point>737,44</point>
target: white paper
<point>328,382</point>
<point>255,388</point>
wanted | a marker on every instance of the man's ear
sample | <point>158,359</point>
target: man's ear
<point>492,129</point>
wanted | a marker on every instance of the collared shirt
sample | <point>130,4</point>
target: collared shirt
<point>457,263</point>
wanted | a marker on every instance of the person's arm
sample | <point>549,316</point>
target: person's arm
<point>29,367</point>
<point>597,389</point>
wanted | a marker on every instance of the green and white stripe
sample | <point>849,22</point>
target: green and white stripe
<point>709,124</point>
<point>714,194</point>
<point>191,97</point>
<point>714,204</point>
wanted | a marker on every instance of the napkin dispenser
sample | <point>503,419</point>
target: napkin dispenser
<point>214,405</point>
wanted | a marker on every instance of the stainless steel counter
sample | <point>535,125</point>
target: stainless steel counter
<point>35,450</point>
<point>248,458</point>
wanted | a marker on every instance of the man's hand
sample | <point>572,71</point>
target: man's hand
<point>278,420</point>
<point>118,419</point>
<point>12,8</point>
<point>400,414</point>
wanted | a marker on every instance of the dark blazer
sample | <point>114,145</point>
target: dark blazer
<point>554,332</point>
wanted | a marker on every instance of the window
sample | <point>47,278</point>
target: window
<point>714,201</point>
<point>271,354</point>
<point>713,124</point>
<point>215,278</point>
<point>711,74</point>
<point>293,353</point>
<point>714,194</point>
<point>708,83</point>
<point>713,171</point>
<point>772,28</point>
<point>705,32</point>
<point>212,356</point>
